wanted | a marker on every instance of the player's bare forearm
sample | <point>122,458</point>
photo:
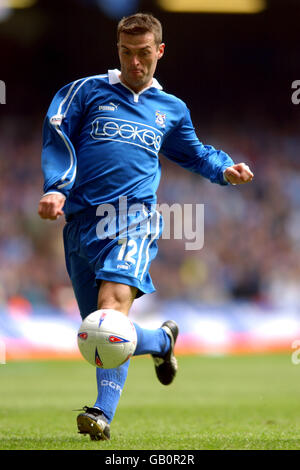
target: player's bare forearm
<point>239,173</point>
<point>51,205</point>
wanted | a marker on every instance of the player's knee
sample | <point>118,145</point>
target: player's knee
<point>110,303</point>
<point>116,296</point>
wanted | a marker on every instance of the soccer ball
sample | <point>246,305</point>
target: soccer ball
<point>107,338</point>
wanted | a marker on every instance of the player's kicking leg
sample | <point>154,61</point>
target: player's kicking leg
<point>160,344</point>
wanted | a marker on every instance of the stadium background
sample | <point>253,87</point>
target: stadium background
<point>241,291</point>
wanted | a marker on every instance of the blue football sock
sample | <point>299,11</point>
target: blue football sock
<point>110,383</point>
<point>151,341</point>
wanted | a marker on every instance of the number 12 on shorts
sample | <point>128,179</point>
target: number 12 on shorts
<point>124,242</point>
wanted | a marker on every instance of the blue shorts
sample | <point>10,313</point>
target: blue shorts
<point>116,248</point>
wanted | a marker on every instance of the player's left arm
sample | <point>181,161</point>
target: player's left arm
<point>183,147</point>
<point>239,173</point>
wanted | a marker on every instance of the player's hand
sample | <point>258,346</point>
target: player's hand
<point>50,206</point>
<point>238,174</point>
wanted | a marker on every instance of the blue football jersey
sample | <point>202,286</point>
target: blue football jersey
<point>102,141</point>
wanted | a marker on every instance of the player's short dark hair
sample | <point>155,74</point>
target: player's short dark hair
<point>141,23</point>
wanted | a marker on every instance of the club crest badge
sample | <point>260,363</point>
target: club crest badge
<point>160,119</point>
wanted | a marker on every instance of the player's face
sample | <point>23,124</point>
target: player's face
<point>138,57</point>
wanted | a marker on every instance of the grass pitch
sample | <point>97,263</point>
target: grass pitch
<point>240,402</point>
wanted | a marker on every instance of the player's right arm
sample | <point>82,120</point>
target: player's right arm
<point>59,160</point>
<point>51,206</point>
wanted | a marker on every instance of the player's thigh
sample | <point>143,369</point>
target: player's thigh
<point>126,259</point>
<point>127,262</point>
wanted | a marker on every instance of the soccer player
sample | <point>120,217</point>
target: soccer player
<point>101,140</point>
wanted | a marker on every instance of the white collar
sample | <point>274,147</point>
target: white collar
<point>114,77</point>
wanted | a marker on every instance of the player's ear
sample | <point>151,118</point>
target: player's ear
<point>161,50</point>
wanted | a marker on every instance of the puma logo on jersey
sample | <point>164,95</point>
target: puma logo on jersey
<point>109,107</point>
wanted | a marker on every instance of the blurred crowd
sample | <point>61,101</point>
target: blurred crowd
<point>251,246</point>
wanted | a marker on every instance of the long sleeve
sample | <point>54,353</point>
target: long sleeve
<point>183,147</point>
<point>58,155</point>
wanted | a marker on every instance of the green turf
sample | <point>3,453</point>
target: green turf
<point>243,402</point>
